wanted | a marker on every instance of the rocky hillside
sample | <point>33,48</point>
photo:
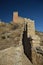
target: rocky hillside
<point>10,35</point>
<point>40,34</point>
<point>11,49</point>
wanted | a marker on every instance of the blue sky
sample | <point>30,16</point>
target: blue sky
<point>32,9</point>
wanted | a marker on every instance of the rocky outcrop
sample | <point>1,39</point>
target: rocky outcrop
<point>11,48</point>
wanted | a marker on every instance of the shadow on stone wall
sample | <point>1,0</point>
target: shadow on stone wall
<point>27,45</point>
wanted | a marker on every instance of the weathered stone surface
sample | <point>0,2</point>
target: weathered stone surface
<point>26,61</point>
<point>35,41</point>
<point>30,27</point>
<point>11,56</point>
<point>37,58</point>
<point>36,37</point>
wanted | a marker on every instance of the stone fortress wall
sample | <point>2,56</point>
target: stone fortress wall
<point>30,27</point>
<point>14,55</point>
<point>30,33</point>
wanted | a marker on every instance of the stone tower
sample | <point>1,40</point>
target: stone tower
<point>15,17</point>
